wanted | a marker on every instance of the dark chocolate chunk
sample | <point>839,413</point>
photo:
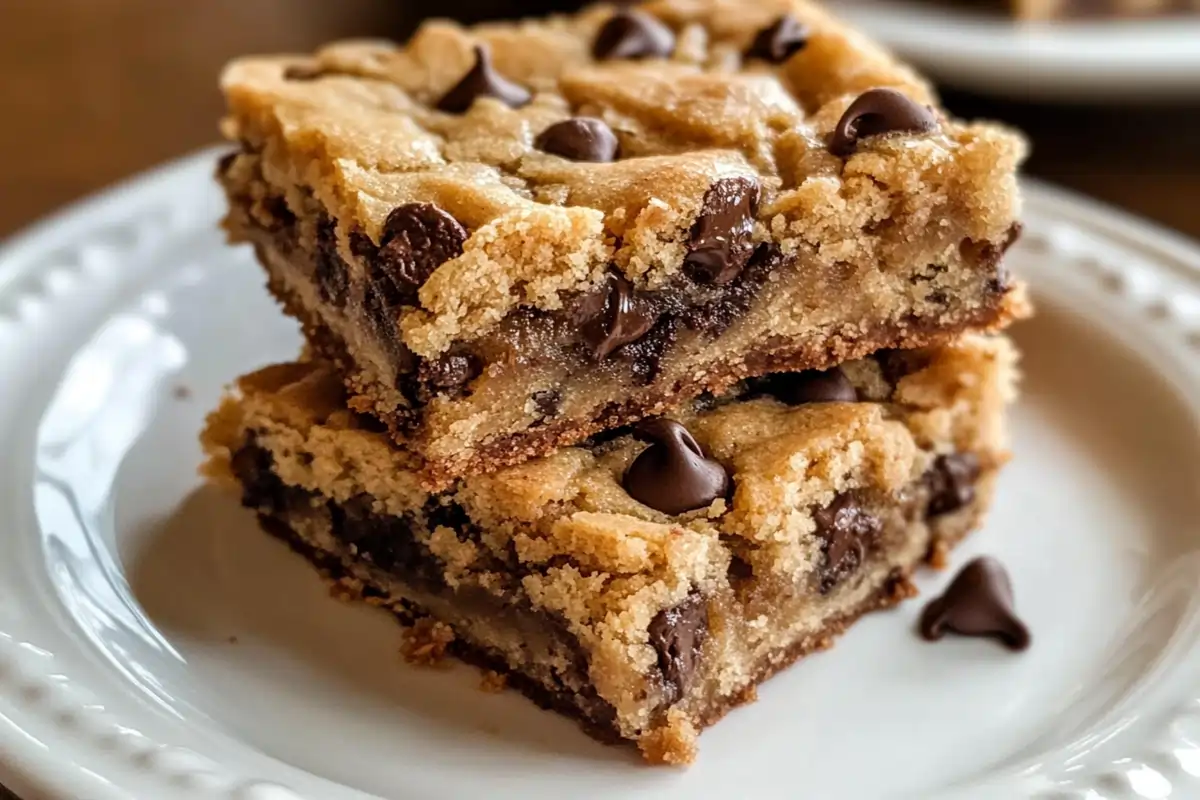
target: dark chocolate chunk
<point>846,530</point>
<point>951,482</point>
<point>876,112</point>
<point>448,374</point>
<point>720,244</point>
<point>779,40</point>
<point>897,364</point>
<point>677,634</point>
<point>482,80</point>
<point>417,238</point>
<point>630,33</point>
<point>978,602</point>
<point>614,317</point>
<point>579,139</point>
<point>547,402</point>
<point>673,475</point>
<point>813,386</point>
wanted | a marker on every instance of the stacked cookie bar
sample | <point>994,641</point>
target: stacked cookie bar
<point>647,347</point>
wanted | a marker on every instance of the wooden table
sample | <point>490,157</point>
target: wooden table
<point>93,92</point>
<point>96,91</point>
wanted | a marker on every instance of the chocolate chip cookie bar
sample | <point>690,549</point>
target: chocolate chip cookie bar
<point>511,237</point>
<point>643,581</point>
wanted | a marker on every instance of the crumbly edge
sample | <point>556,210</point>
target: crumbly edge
<point>450,451</point>
<point>590,553</point>
<point>363,140</point>
<point>673,739</point>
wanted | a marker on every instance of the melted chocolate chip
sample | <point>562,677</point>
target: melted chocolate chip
<point>613,318</point>
<point>482,80</point>
<point>677,635</point>
<point>417,239</point>
<point>329,268</point>
<point>579,139</point>
<point>779,40</point>
<point>630,33</point>
<point>951,482</point>
<point>448,374</point>
<point>813,386</point>
<point>386,541</point>
<point>846,530</point>
<point>547,402</point>
<point>262,489</point>
<point>720,244</point>
<point>876,112</point>
<point>673,475</point>
<point>978,602</point>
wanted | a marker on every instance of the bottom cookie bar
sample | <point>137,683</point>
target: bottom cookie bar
<point>646,581</point>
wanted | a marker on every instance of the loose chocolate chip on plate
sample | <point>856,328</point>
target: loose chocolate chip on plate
<point>417,239</point>
<point>846,529</point>
<point>978,602</point>
<point>482,80</point>
<point>630,33</point>
<point>677,635</point>
<point>779,40</point>
<point>720,243</point>
<point>673,475</point>
<point>579,139</point>
<point>813,386</point>
<point>614,318</point>
<point>876,112</point>
<point>951,482</point>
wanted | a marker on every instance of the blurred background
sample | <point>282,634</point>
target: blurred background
<point>94,91</point>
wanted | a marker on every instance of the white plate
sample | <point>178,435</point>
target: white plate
<point>155,644</point>
<point>982,50</point>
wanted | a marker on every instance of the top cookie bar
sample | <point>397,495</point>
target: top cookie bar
<point>512,236</point>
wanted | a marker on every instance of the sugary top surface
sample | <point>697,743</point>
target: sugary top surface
<point>358,126</point>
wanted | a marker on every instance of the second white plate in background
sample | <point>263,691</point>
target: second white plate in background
<point>1118,61</point>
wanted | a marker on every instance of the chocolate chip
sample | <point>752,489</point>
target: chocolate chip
<point>876,112</point>
<point>547,402</point>
<point>482,80</point>
<point>673,475</point>
<point>417,239</point>
<point>846,530</point>
<point>951,482</point>
<point>677,635</point>
<point>897,364</point>
<point>978,602</point>
<point>813,386</point>
<point>630,33</point>
<point>613,317</point>
<point>579,139</point>
<point>779,40</point>
<point>447,374</point>
<point>720,244</point>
